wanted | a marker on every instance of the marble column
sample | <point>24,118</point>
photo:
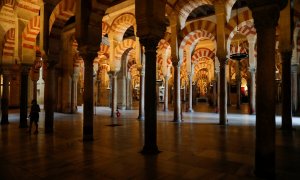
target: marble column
<point>24,96</point>
<point>294,71</point>
<point>34,90</point>
<point>252,91</point>
<point>215,97</point>
<point>5,97</point>
<point>221,54</point>
<point>128,92</point>
<point>265,21</point>
<point>286,91</point>
<point>166,99</point>
<point>222,93</point>
<point>88,96</point>
<point>142,93</point>
<point>238,86</point>
<point>150,142</point>
<point>74,93</point>
<point>114,94</point>
<point>177,98</point>
<point>190,93</point>
<point>49,96</point>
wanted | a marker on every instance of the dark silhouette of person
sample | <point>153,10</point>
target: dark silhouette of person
<point>34,115</point>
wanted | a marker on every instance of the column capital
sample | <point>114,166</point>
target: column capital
<point>149,42</point>
<point>176,63</point>
<point>266,16</point>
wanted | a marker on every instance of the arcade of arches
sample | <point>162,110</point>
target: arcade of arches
<point>121,54</point>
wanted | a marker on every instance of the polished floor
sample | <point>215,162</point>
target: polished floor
<point>197,148</point>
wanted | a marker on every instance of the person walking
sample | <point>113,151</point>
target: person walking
<point>34,115</point>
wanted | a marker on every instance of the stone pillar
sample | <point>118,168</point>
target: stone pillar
<point>34,89</point>
<point>238,86</point>
<point>114,94</point>
<point>24,96</point>
<point>150,146</point>
<point>222,93</point>
<point>74,93</point>
<point>190,93</point>
<point>286,91</point>
<point>252,91</point>
<point>265,21</point>
<point>128,92</point>
<point>221,54</point>
<point>215,97</point>
<point>49,96</point>
<point>142,93</point>
<point>177,101</point>
<point>88,96</point>
<point>166,103</point>
<point>294,71</point>
<point>5,97</point>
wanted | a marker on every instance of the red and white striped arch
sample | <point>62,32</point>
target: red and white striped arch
<point>9,45</point>
<point>8,3</point>
<point>105,28</point>
<point>207,28</point>
<point>202,53</point>
<point>245,19</point>
<point>246,28</point>
<point>123,46</point>
<point>121,24</point>
<point>192,33</point>
<point>236,49</point>
<point>60,15</point>
<point>30,33</point>
<point>185,7</point>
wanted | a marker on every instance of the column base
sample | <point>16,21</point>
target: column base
<point>166,110</point>
<point>287,128</point>
<point>150,150</point>
<point>4,123</point>
<point>177,120</point>
<point>190,110</point>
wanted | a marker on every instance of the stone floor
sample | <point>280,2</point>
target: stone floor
<point>198,148</point>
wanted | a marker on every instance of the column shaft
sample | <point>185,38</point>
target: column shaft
<point>114,95</point>
<point>222,93</point>
<point>34,89</point>
<point>238,86</point>
<point>49,98</point>
<point>177,98</point>
<point>166,100</point>
<point>294,88</point>
<point>253,92</point>
<point>24,96</point>
<point>286,91</point>
<point>142,96</point>
<point>265,20</point>
<point>150,145</point>
<point>88,97</point>
<point>190,93</point>
<point>5,99</point>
